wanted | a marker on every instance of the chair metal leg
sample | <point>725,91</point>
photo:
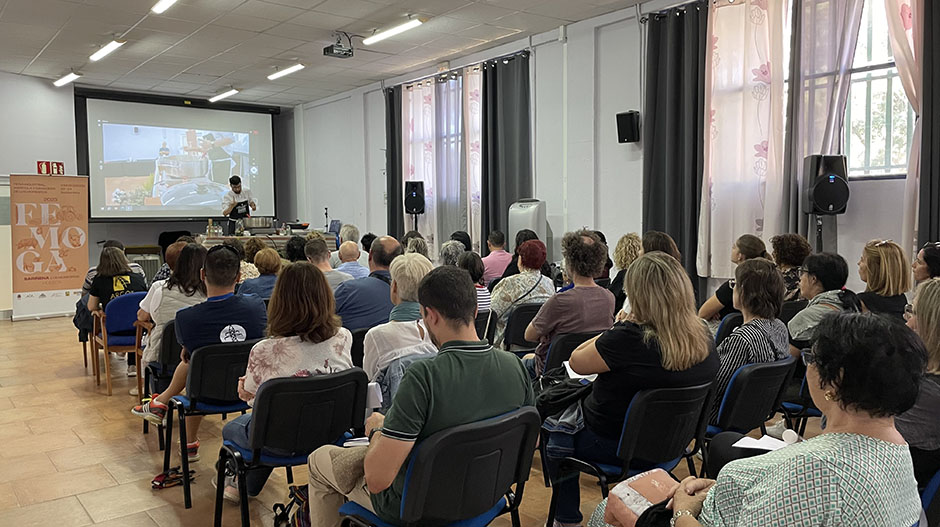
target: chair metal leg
<point>168,442</point>
<point>542,440</point>
<point>514,514</point>
<point>184,461</point>
<point>94,360</point>
<point>85,353</point>
<point>160,439</point>
<point>220,485</point>
<point>107,369</point>
<point>552,505</point>
<point>242,477</point>
<point>290,475</point>
<point>140,379</point>
<point>704,473</point>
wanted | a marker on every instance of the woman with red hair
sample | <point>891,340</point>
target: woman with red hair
<point>527,287</point>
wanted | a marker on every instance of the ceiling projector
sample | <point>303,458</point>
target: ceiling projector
<point>338,50</point>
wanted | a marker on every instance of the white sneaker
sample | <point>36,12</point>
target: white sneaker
<point>132,371</point>
<point>777,429</point>
<point>133,391</point>
<point>230,492</point>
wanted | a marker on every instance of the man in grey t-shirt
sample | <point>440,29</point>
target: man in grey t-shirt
<point>319,255</point>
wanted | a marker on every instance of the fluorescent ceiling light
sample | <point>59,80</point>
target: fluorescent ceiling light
<point>286,71</point>
<point>162,6</point>
<point>411,24</point>
<point>221,96</point>
<point>106,50</point>
<point>67,79</point>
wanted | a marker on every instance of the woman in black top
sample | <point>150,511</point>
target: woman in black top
<point>513,268</point>
<point>721,304</point>
<point>789,252</point>
<point>662,344</point>
<point>114,279</point>
<point>883,267</point>
<point>927,262</point>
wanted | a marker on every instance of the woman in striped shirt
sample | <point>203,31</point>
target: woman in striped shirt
<point>472,262</point>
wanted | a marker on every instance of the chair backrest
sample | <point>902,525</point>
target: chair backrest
<point>930,501</point>
<point>462,472</point>
<point>728,324</point>
<point>492,285</point>
<point>358,340</point>
<point>170,347</point>
<point>563,344</point>
<point>301,414</point>
<point>603,282</point>
<point>660,423</point>
<point>518,320</point>
<point>121,313</point>
<point>754,394</point>
<point>214,371</point>
<point>789,310</point>
<point>480,323</point>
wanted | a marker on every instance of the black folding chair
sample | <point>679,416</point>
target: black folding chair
<point>480,323</point>
<point>751,398</point>
<point>728,324</point>
<point>519,318</point>
<point>563,344</point>
<point>168,359</point>
<point>296,415</point>
<point>463,475</point>
<point>358,340</point>
<point>657,430</point>
<point>211,389</point>
<point>789,310</point>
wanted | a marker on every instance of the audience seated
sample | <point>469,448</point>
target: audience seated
<point>93,271</point>
<point>247,270</point>
<point>268,263</point>
<point>608,263</point>
<point>253,245</point>
<point>223,317</point>
<point>494,263</point>
<point>366,302</point>
<point>366,243</point>
<point>660,241</point>
<point>863,371</point>
<point>920,425</point>
<point>822,282</point>
<point>410,235</point>
<point>450,252</point>
<point>294,249</point>
<point>472,262</point>
<point>347,233</point>
<point>305,338</point>
<point>433,396</point>
<point>319,255</point>
<point>523,236</point>
<point>628,249</point>
<point>789,251</point>
<point>719,305</point>
<point>164,271</point>
<point>663,345</point>
<point>758,295</point>
<point>114,278</point>
<point>464,238</point>
<point>527,287</point>
<point>586,307</point>
<point>403,334</point>
<point>184,288</point>
<point>884,269</point>
<point>419,246</point>
<point>927,263</point>
<point>349,258</point>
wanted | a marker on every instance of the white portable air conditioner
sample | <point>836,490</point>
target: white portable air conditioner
<point>528,214</point>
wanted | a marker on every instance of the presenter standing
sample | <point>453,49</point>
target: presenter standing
<point>236,202</point>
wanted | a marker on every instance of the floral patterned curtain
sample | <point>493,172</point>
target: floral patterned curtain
<point>418,157</point>
<point>473,138</point>
<point>743,186</point>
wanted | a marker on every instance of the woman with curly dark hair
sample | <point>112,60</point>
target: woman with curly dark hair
<point>294,249</point>
<point>789,251</point>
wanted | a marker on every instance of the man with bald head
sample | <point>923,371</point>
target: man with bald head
<point>366,302</point>
<point>349,258</point>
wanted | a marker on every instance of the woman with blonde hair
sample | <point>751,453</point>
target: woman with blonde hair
<point>629,248</point>
<point>884,269</point>
<point>662,344</point>
<point>268,263</point>
<point>919,425</point>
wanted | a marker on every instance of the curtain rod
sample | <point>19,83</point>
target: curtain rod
<point>458,71</point>
<point>679,10</point>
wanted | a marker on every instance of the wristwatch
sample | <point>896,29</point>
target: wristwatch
<point>372,433</point>
<point>678,514</point>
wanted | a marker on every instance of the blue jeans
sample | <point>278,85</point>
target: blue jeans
<point>237,431</point>
<point>585,445</point>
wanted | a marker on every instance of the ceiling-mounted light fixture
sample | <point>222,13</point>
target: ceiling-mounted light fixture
<point>223,95</point>
<point>162,6</point>
<point>397,30</point>
<point>71,76</point>
<point>286,71</point>
<point>106,50</point>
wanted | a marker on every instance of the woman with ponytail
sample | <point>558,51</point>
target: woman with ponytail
<point>721,304</point>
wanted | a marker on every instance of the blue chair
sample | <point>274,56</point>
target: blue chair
<point>462,476</point>
<point>728,324</point>
<point>657,430</point>
<point>798,412</point>
<point>930,502</point>
<point>295,415</point>
<point>114,332</point>
<point>211,389</point>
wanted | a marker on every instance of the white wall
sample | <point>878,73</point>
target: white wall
<point>873,213</point>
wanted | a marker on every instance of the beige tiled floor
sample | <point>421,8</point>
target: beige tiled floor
<point>71,456</point>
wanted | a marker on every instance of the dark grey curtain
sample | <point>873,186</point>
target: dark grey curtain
<point>928,221</point>
<point>507,153</point>
<point>673,127</point>
<point>395,193</point>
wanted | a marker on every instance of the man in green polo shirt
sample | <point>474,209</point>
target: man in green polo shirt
<point>467,381</point>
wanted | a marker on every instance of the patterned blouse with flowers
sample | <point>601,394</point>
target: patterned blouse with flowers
<point>292,357</point>
<point>530,287</point>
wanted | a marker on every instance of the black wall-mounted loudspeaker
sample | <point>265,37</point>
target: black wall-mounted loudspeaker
<point>628,127</point>
<point>825,185</point>
<point>414,197</point>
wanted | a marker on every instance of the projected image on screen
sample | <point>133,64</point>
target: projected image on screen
<point>140,169</point>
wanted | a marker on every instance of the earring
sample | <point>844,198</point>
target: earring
<point>828,395</point>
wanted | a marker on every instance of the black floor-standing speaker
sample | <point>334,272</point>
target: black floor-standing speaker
<point>825,189</point>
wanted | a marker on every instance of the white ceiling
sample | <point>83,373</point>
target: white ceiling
<point>201,47</point>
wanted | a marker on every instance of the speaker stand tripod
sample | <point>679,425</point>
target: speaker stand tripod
<point>819,234</point>
<point>415,217</point>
